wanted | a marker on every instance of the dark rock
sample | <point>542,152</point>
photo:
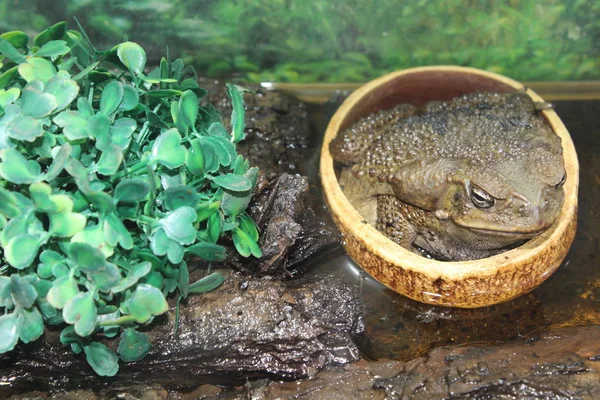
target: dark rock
<point>561,365</point>
<point>291,230</point>
<point>266,329</point>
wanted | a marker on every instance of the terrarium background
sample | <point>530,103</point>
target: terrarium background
<point>339,40</point>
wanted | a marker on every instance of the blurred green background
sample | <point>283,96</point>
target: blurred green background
<point>339,40</point>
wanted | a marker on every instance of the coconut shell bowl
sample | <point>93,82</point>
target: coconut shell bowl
<point>465,284</point>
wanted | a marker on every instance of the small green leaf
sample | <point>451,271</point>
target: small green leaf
<point>24,128</point>
<point>131,190</point>
<point>175,252</point>
<point>37,68</point>
<point>22,250</point>
<point>114,227</point>
<point>183,280</point>
<point>73,124</point>
<point>217,129</point>
<point>94,236</point>
<point>76,40</point>
<point>208,251</point>
<point>178,225</point>
<point>55,32</point>
<point>237,113</point>
<point>248,226</point>
<point>53,48</point>
<point>121,132</point>
<point>223,155</point>
<point>35,103</point>
<point>134,345</point>
<point>81,312</point>
<point>48,259</point>
<point>63,89</point>
<point>233,204</point>
<point>84,72</point>
<point>159,242</point>
<point>63,289</point>
<point>215,222</point>
<point>98,127</point>
<point>66,223</point>
<point>5,293</point>
<point>88,258</point>
<point>155,279</point>
<point>244,244</point>
<point>211,161</point>
<point>9,332</point>
<point>22,292</point>
<point>68,335</point>
<point>15,227</point>
<point>163,93</point>
<point>7,76</point>
<point>206,209</point>
<point>232,182</point>
<point>194,158</point>
<point>106,278</point>
<point>167,149</point>
<point>30,325</point>
<point>111,97</point>
<point>133,56</point>
<point>110,160</point>
<point>9,96</point>
<point>130,98</point>
<point>85,108</point>
<point>188,108</point>
<point>10,52</point>
<point>182,195</point>
<point>59,162</point>
<point>136,272</point>
<point>208,283</point>
<point>17,169</point>
<point>146,301</point>
<point>102,359</point>
<point>177,119</point>
<point>18,39</point>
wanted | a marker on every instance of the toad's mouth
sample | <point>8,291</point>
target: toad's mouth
<point>517,233</point>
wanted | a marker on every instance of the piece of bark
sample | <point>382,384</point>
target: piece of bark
<point>564,364</point>
<point>246,328</point>
<point>291,230</point>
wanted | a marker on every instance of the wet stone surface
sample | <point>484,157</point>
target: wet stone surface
<point>559,365</point>
<point>247,328</point>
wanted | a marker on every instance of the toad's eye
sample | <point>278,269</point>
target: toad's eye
<point>481,198</point>
<point>562,181</point>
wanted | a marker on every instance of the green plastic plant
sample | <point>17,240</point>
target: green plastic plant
<point>111,179</point>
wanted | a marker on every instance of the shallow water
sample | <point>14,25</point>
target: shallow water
<point>400,328</point>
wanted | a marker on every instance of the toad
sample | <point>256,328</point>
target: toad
<point>457,180</point>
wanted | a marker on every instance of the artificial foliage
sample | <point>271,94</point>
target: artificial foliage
<point>112,178</point>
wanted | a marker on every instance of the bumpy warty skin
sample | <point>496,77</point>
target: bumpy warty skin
<point>460,180</point>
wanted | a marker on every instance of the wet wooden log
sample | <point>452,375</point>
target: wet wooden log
<point>248,328</point>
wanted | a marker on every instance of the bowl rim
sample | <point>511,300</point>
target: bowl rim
<point>393,253</point>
